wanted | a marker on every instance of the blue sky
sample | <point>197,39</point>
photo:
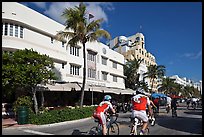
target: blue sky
<point>172,30</point>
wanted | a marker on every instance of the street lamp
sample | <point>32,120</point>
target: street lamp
<point>92,95</point>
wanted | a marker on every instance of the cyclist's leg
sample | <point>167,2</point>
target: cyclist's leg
<point>132,120</point>
<point>144,118</point>
<point>103,123</point>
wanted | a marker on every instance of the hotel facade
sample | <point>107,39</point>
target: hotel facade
<point>134,47</point>
<point>23,28</point>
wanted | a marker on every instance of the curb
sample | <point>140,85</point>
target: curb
<point>47,125</point>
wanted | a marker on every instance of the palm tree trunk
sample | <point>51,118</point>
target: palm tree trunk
<point>152,85</point>
<point>84,76</point>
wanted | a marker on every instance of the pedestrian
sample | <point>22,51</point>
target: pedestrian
<point>156,103</point>
<point>174,104</point>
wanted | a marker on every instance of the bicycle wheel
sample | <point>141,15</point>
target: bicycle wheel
<point>138,130</point>
<point>147,131</point>
<point>94,131</point>
<point>113,129</point>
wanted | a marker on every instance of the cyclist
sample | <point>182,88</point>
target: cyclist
<point>101,111</point>
<point>139,103</point>
<point>153,106</point>
<point>193,102</point>
<point>168,104</point>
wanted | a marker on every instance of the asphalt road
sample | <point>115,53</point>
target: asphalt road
<point>188,122</point>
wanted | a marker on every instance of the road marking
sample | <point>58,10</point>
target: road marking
<point>36,132</point>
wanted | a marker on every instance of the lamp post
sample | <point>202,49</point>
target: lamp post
<point>92,95</point>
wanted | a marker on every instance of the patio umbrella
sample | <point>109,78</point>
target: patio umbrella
<point>157,95</point>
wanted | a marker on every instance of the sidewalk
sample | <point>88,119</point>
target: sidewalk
<point>10,122</point>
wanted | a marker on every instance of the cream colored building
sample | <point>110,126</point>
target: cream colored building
<point>23,28</point>
<point>134,47</point>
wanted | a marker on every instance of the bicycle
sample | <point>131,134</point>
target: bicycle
<point>112,126</point>
<point>137,126</point>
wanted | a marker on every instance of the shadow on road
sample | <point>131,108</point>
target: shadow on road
<point>194,112</point>
<point>78,132</point>
<point>184,124</point>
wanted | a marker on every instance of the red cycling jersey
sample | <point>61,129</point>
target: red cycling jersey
<point>140,102</point>
<point>103,106</point>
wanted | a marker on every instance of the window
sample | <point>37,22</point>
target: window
<point>74,51</point>
<point>104,75</point>
<point>91,57</point>
<point>142,53</point>
<point>11,29</point>
<point>91,73</point>
<point>140,50</point>
<point>51,40</point>
<point>63,44</point>
<point>74,70</point>
<point>138,38</point>
<point>62,65</point>
<point>104,61</point>
<point>2,29</point>
<point>6,29</point>
<point>21,32</point>
<point>16,30</point>
<point>114,65</point>
<point>114,79</point>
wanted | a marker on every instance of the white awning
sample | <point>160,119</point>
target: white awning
<point>128,91</point>
<point>77,87</point>
<point>59,87</point>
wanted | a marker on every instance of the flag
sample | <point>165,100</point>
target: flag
<point>91,16</point>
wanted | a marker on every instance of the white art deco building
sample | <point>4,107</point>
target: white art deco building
<point>23,28</point>
<point>134,47</point>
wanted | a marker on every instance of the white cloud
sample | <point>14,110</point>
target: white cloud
<point>56,9</point>
<point>41,5</point>
<point>192,55</point>
<point>171,63</point>
<point>199,54</point>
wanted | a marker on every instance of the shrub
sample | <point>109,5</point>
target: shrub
<point>23,101</point>
<point>56,116</point>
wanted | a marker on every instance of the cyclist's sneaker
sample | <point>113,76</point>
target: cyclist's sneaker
<point>131,133</point>
<point>153,121</point>
<point>141,132</point>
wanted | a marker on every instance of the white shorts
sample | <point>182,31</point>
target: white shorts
<point>140,114</point>
<point>101,116</point>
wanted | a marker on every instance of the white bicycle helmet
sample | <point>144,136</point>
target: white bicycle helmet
<point>140,91</point>
<point>107,98</point>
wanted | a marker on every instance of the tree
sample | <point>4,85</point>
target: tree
<point>25,69</point>
<point>154,72</point>
<point>167,85</point>
<point>79,30</point>
<point>130,70</point>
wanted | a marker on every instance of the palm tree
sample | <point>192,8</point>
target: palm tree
<point>130,70</point>
<point>79,30</point>
<point>167,85</point>
<point>154,72</point>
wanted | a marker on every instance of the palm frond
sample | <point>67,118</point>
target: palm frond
<point>62,34</point>
<point>103,33</point>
